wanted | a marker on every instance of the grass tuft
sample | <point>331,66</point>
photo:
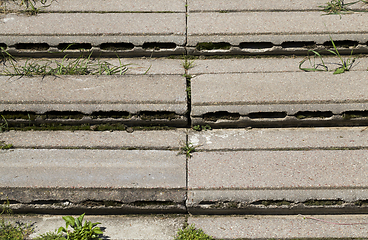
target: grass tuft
<point>342,67</point>
<point>191,233</point>
<point>339,7</point>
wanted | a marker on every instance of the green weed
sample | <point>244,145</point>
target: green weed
<point>80,66</point>
<point>344,66</point>
<point>50,236</point>
<point>86,231</point>
<point>4,146</point>
<point>200,127</point>
<point>188,64</point>
<point>4,126</point>
<point>191,233</point>
<point>339,7</point>
<point>12,231</point>
<point>187,149</point>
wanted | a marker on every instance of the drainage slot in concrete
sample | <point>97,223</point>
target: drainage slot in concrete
<point>13,115</point>
<point>32,46</point>
<point>256,45</point>
<point>116,46</point>
<point>158,46</point>
<point>355,114</point>
<point>213,46</point>
<point>74,46</point>
<point>323,202</point>
<point>222,115</point>
<point>341,44</point>
<point>267,115</point>
<point>63,115</point>
<point>298,44</point>
<point>3,45</point>
<point>150,115</point>
<point>110,114</point>
<point>271,202</point>
<point>317,114</point>
<point>152,203</point>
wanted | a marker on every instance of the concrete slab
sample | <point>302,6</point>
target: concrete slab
<point>87,94</point>
<point>95,181</point>
<point>114,227</point>
<point>279,138</point>
<point>285,99</point>
<point>133,28</point>
<point>263,65</point>
<point>277,182</point>
<point>282,227</point>
<point>273,27</point>
<point>107,6</point>
<point>104,140</point>
<point>254,5</point>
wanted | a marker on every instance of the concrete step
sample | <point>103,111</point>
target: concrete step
<point>275,92</point>
<point>260,171</point>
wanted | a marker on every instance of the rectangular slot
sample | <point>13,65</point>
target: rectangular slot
<point>32,46</point>
<point>299,45</point>
<point>267,115</point>
<point>116,46</point>
<point>255,45</point>
<point>74,46</point>
<point>158,46</point>
<point>213,46</point>
<point>317,114</point>
<point>222,115</point>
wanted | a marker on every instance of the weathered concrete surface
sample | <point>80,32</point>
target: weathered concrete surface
<point>232,181</point>
<point>135,28</point>
<point>92,168</point>
<point>280,227</point>
<point>275,27</point>
<point>90,180</point>
<point>282,98</point>
<point>106,6</point>
<point>280,138</point>
<point>266,65</point>
<point>160,227</point>
<point>88,139</point>
<point>260,5</point>
<point>94,93</point>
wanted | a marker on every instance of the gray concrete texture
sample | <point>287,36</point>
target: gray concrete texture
<point>88,139</point>
<point>254,5</point>
<point>52,168</point>
<point>106,6</point>
<point>288,92</point>
<point>160,227</point>
<point>274,27</point>
<point>135,28</point>
<point>279,138</point>
<point>278,169</point>
<point>94,93</point>
<point>283,227</point>
<point>265,65</point>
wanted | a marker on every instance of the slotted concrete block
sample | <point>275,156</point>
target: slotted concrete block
<point>108,6</point>
<point>89,139</point>
<point>88,94</point>
<point>253,5</point>
<point>134,28</point>
<point>38,178</point>
<point>282,227</point>
<point>279,138</point>
<point>273,27</point>
<point>242,180</point>
<point>280,98</point>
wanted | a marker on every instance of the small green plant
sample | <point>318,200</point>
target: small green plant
<point>4,146</point>
<point>4,124</point>
<point>12,231</point>
<point>188,149</point>
<point>188,64</point>
<point>344,66</point>
<point>86,231</point>
<point>50,236</point>
<point>191,233</point>
<point>30,6</point>
<point>79,66</point>
<point>200,127</point>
